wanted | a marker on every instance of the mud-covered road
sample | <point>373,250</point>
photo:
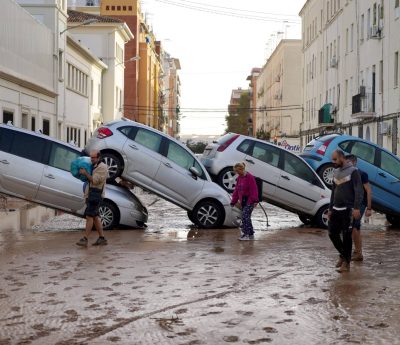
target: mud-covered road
<point>173,284</point>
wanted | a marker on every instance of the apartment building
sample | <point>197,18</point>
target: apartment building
<point>252,78</point>
<point>351,69</point>
<point>278,92</point>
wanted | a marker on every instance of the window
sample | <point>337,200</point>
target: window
<point>390,164</point>
<point>180,156</point>
<point>244,146</point>
<point>77,80</point>
<point>128,131</point>
<point>8,116</point>
<point>381,76</point>
<point>33,124</point>
<point>148,139</point>
<point>62,156</point>
<point>130,8</point>
<point>294,166</point>
<point>46,127</point>
<point>119,53</point>
<point>60,65</point>
<point>266,153</point>
<point>396,69</point>
<point>347,41</point>
<point>346,146</point>
<point>6,137</point>
<point>24,123</point>
<point>28,146</point>
<point>107,8</point>
<point>364,151</point>
<point>352,37</point>
<point>362,28</point>
<point>397,8</point>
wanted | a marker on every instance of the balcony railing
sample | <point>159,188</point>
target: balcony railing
<point>363,106</point>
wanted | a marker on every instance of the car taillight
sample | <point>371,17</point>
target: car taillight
<point>322,149</point>
<point>103,132</point>
<point>225,145</point>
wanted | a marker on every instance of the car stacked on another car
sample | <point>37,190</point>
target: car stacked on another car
<point>164,166</point>
<point>382,167</point>
<point>289,182</point>
<point>36,167</point>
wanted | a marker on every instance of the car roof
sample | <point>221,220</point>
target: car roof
<point>40,135</point>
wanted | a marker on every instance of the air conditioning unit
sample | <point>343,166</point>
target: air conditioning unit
<point>334,62</point>
<point>375,32</point>
<point>362,91</point>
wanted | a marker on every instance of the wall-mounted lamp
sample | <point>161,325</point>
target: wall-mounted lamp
<point>86,22</point>
<point>134,58</point>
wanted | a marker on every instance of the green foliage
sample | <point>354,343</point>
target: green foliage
<point>262,134</point>
<point>196,147</point>
<point>237,120</point>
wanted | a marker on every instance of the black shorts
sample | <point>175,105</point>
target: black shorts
<point>92,208</point>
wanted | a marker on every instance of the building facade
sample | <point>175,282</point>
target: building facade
<point>278,93</point>
<point>351,69</point>
<point>252,78</point>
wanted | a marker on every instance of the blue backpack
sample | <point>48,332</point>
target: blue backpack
<point>81,162</point>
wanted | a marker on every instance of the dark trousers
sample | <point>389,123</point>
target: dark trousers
<point>247,226</point>
<point>340,227</point>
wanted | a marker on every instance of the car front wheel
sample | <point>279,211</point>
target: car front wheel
<point>394,220</point>
<point>109,215</point>
<point>321,218</point>
<point>326,174</point>
<point>114,164</point>
<point>227,179</point>
<point>305,219</point>
<point>208,214</point>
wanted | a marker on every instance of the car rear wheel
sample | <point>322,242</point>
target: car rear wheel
<point>190,216</point>
<point>307,220</point>
<point>227,179</point>
<point>321,218</point>
<point>326,174</point>
<point>114,164</point>
<point>394,220</point>
<point>208,214</point>
<point>109,215</point>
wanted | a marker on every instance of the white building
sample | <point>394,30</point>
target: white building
<point>351,69</point>
<point>278,92</point>
<point>106,40</point>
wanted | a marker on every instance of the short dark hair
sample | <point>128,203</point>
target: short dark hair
<point>351,157</point>
<point>340,153</point>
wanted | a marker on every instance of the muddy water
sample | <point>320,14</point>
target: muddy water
<point>174,284</point>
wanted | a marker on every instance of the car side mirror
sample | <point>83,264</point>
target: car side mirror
<point>194,172</point>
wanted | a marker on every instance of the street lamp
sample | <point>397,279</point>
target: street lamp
<point>134,58</point>
<point>86,22</point>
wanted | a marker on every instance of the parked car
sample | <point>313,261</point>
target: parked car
<point>164,166</point>
<point>36,167</point>
<point>382,167</point>
<point>288,181</point>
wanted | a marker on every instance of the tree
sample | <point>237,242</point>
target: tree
<point>237,120</point>
<point>196,147</point>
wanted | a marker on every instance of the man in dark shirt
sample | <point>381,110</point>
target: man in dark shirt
<point>347,194</point>
<point>365,207</point>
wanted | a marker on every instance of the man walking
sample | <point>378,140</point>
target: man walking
<point>94,193</point>
<point>365,207</point>
<point>345,204</point>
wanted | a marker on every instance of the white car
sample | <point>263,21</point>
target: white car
<point>36,167</point>
<point>288,181</point>
<point>166,167</point>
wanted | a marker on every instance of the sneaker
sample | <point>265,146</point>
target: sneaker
<point>101,241</point>
<point>344,268</point>
<point>339,262</point>
<point>251,237</point>
<point>83,242</point>
<point>357,257</point>
<point>244,238</point>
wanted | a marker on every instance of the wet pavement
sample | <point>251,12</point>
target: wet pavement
<point>174,284</point>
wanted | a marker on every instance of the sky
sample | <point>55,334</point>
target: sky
<point>217,52</point>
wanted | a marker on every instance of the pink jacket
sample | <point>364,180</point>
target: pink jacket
<point>245,186</point>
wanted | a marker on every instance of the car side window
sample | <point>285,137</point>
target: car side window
<point>28,146</point>
<point>148,139</point>
<point>364,151</point>
<point>61,157</point>
<point>390,164</point>
<point>345,146</point>
<point>180,156</point>
<point>5,139</point>
<point>244,146</point>
<point>126,131</point>
<point>295,166</point>
<point>266,153</point>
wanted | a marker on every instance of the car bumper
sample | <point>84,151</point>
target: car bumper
<point>232,216</point>
<point>133,217</point>
<point>210,165</point>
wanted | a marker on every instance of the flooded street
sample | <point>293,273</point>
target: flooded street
<point>174,284</point>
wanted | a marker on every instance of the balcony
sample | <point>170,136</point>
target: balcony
<point>325,117</point>
<point>363,106</point>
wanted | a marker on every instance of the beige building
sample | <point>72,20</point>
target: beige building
<point>279,92</point>
<point>351,69</point>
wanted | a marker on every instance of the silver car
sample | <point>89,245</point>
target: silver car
<point>166,167</point>
<point>36,167</point>
<point>288,181</point>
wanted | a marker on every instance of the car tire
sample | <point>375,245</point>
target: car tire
<point>190,216</point>
<point>326,174</point>
<point>394,220</point>
<point>109,215</point>
<point>114,165</point>
<point>208,214</point>
<point>307,220</point>
<point>227,179</point>
<point>321,218</point>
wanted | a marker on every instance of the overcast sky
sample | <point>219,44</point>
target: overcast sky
<point>217,52</point>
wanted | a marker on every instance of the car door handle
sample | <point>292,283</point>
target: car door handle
<point>250,161</point>
<point>168,165</point>
<point>50,176</point>
<point>382,174</point>
<point>133,147</point>
<point>5,161</point>
<point>286,177</point>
